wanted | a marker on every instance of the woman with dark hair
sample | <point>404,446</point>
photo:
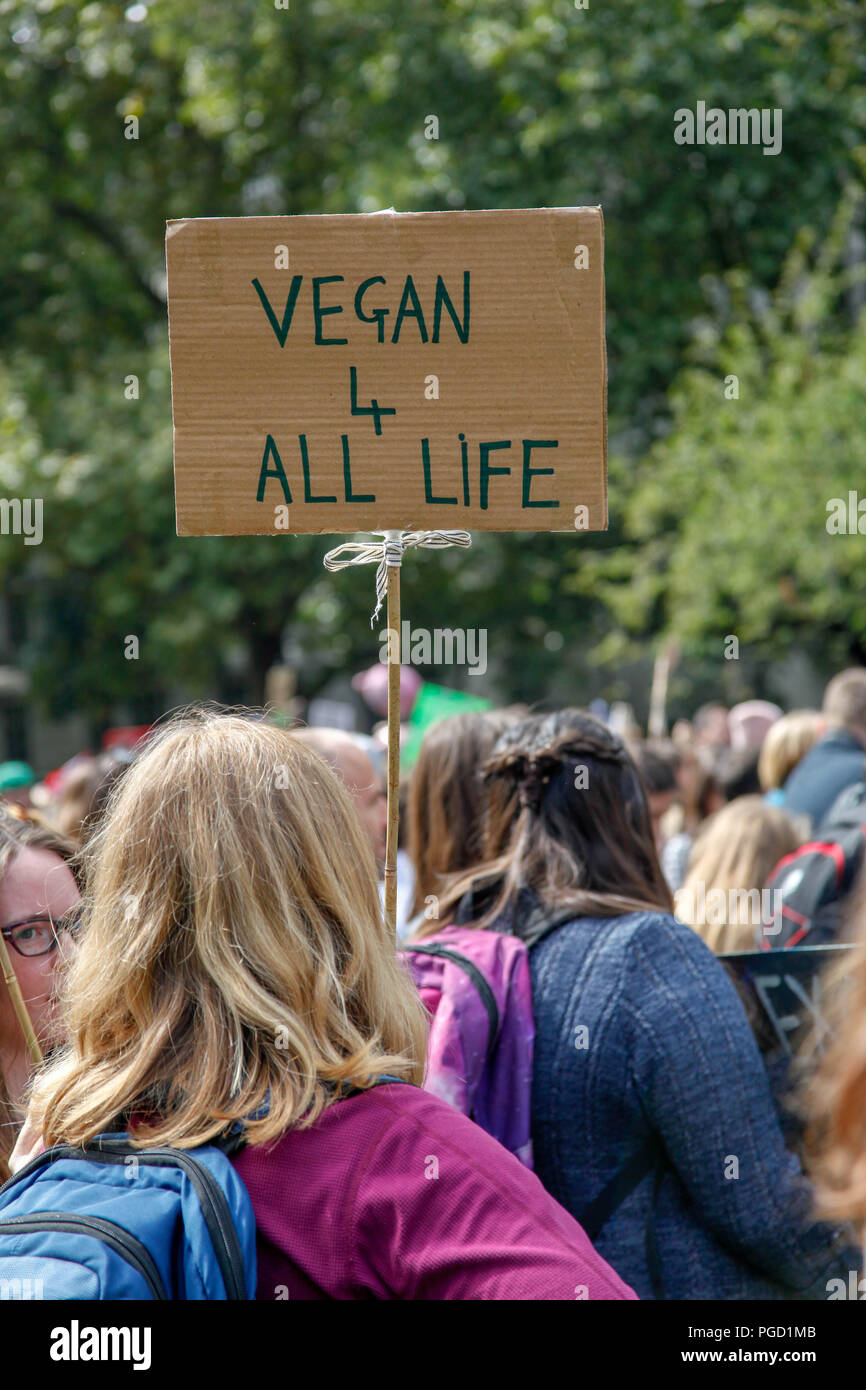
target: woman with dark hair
<point>454,820</point>
<point>652,1119</point>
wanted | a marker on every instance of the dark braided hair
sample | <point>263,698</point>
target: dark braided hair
<point>583,838</point>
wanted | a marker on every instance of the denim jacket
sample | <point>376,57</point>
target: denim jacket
<point>640,1032</point>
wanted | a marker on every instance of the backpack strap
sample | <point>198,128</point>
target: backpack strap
<point>647,1158</point>
<point>488,999</point>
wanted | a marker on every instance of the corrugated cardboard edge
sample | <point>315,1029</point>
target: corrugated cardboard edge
<point>604,367</point>
<point>172,227</point>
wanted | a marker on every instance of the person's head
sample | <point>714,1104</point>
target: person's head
<point>84,794</point>
<point>358,775</point>
<point>657,764</point>
<point>37,892</point>
<point>455,821</point>
<point>845,702</point>
<point>710,726</point>
<point>785,743</point>
<point>699,789</point>
<point>234,958</point>
<point>749,722</point>
<point>731,860</point>
<point>737,773</point>
<point>583,838</point>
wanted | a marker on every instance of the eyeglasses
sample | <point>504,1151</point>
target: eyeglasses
<point>38,935</point>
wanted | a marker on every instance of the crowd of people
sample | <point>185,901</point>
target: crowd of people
<point>196,931</point>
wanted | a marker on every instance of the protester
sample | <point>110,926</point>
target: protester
<point>356,771</point>
<point>837,758</point>
<point>750,722</point>
<point>701,797</point>
<point>644,1059</point>
<point>235,969</point>
<point>786,743</point>
<point>732,858</point>
<point>710,727</point>
<point>37,892</point>
<point>736,773</point>
<point>657,765</point>
<point>84,793</point>
<point>453,822</point>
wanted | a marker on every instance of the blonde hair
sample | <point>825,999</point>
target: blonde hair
<point>234,958</point>
<point>834,1097</point>
<point>732,857</point>
<point>785,743</point>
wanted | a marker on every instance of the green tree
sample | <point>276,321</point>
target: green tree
<point>243,108</point>
<point>729,529</point>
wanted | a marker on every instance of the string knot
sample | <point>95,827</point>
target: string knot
<point>388,553</point>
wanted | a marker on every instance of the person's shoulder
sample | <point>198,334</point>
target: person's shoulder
<point>405,1105</point>
<point>631,937</point>
<point>401,1105</point>
<point>659,936</point>
<point>393,1117</point>
<point>625,927</point>
<point>406,1118</point>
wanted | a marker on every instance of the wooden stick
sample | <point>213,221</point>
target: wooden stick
<point>393,746</point>
<point>664,664</point>
<point>18,1004</point>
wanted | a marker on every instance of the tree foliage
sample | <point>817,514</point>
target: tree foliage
<point>245,108</point>
<point>731,528</point>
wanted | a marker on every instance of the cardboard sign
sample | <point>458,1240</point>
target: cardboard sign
<point>790,988</point>
<point>388,371</point>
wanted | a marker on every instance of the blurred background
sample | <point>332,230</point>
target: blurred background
<point>721,262</point>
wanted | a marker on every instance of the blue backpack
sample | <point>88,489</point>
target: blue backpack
<point>110,1221</point>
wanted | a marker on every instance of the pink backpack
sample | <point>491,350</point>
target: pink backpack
<point>476,986</point>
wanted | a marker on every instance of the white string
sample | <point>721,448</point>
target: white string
<point>389,551</point>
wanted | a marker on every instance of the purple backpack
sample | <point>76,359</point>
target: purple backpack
<point>477,988</point>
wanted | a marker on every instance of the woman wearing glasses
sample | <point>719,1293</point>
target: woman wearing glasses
<point>38,897</point>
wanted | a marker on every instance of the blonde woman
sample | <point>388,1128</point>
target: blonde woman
<point>785,744</point>
<point>235,967</point>
<point>730,862</point>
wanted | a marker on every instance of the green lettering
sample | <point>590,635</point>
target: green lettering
<point>378,315</point>
<point>347,477</point>
<point>428,482</point>
<point>319,311</point>
<point>464,467</point>
<point>443,298</point>
<point>281,329</point>
<point>305,464</point>
<point>530,473</point>
<point>416,312</point>
<point>277,472</point>
<point>486,471</point>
